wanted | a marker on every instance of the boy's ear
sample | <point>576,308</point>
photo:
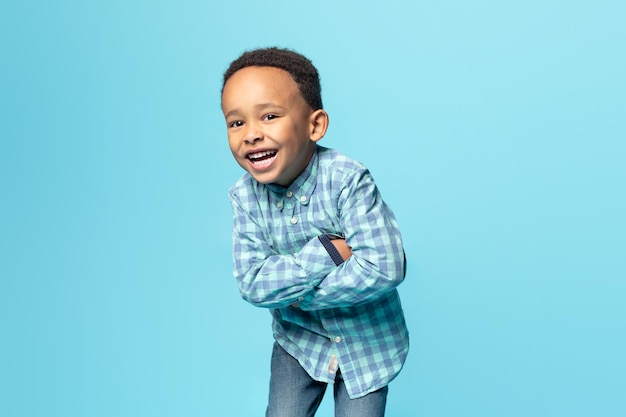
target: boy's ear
<point>319,124</point>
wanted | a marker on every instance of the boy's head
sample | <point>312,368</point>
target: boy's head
<point>298,66</point>
<point>272,126</point>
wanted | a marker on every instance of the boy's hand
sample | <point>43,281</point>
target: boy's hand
<point>344,250</point>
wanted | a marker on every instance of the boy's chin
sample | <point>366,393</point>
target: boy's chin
<point>262,178</point>
<point>267,179</point>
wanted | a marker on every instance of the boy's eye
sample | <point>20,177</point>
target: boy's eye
<point>269,117</point>
<point>236,123</point>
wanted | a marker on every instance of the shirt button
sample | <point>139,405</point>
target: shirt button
<point>303,199</point>
<point>300,298</point>
<point>289,194</point>
<point>279,204</point>
<point>294,220</point>
<point>337,339</point>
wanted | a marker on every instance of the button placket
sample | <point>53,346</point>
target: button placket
<point>294,219</point>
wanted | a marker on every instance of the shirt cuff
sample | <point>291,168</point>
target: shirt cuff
<point>331,249</point>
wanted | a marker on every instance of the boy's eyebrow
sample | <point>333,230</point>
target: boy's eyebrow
<point>231,113</point>
<point>235,112</point>
<point>265,105</point>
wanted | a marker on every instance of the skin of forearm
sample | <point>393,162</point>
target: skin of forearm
<point>344,250</point>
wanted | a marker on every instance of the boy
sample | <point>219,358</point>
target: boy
<point>313,242</point>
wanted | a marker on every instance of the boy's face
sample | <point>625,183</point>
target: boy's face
<point>271,129</point>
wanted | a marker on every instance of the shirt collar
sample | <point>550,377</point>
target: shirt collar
<point>303,186</point>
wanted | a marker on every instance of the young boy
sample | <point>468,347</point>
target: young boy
<point>313,242</point>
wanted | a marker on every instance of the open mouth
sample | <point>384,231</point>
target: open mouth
<point>262,159</point>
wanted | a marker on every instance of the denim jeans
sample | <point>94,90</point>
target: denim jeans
<point>293,393</point>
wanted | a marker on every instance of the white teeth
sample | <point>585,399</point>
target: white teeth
<point>258,155</point>
<point>262,159</point>
<point>262,162</point>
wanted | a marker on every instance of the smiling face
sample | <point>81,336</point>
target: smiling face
<point>271,129</point>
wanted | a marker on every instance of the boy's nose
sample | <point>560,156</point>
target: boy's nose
<point>253,134</point>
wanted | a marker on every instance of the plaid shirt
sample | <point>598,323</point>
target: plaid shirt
<point>327,313</point>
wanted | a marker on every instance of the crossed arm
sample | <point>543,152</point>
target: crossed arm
<point>372,254</point>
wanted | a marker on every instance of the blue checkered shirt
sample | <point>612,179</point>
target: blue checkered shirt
<point>327,313</point>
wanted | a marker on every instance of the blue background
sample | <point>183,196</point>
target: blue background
<point>495,130</point>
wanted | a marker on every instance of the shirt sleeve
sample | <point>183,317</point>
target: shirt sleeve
<point>377,264</point>
<point>267,278</point>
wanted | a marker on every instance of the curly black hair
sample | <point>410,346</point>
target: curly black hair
<point>298,66</point>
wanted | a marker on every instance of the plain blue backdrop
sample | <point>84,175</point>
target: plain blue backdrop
<point>495,130</point>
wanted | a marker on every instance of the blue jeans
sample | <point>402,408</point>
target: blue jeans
<point>293,393</point>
